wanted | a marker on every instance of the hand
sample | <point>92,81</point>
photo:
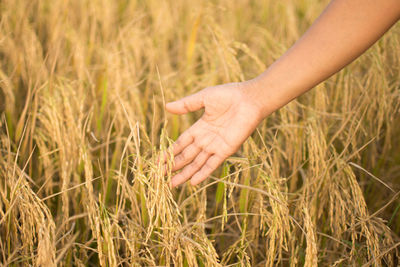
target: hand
<point>230,116</point>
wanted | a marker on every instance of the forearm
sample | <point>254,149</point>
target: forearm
<point>343,32</point>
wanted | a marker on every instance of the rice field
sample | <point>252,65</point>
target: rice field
<point>83,86</point>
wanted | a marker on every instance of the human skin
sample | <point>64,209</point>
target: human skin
<point>344,30</point>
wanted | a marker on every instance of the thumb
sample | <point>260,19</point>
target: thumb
<point>187,104</point>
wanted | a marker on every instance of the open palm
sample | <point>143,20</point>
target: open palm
<point>228,120</point>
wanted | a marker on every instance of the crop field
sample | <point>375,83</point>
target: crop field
<point>83,86</point>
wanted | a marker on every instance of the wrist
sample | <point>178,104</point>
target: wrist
<point>260,93</point>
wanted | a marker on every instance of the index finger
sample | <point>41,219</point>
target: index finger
<point>183,141</point>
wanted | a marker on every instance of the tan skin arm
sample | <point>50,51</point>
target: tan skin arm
<point>232,111</point>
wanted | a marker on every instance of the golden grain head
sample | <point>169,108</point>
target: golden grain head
<point>82,124</point>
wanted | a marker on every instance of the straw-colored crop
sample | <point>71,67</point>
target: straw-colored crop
<point>83,84</point>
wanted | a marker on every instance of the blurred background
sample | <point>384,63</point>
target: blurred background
<point>82,122</point>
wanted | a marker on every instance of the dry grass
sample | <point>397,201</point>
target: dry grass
<point>83,84</point>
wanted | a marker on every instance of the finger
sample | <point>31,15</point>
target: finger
<point>187,104</point>
<point>188,137</point>
<point>161,161</point>
<point>212,163</point>
<point>162,157</point>
<point>182,142</point>
<point>165,162</point>
<point>190,169</point>
<point>185,157</point>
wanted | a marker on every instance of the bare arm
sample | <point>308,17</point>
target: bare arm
<point>342,33</point>
<point>232,111</point>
